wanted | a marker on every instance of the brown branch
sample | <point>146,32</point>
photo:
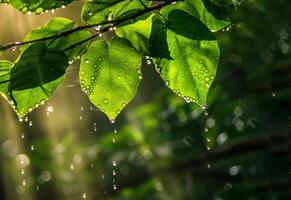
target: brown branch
<point>115,22</point>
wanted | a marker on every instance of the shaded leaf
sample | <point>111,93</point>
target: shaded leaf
<point>213,19</point>
<point>36,75</point>
<point>110,74</point>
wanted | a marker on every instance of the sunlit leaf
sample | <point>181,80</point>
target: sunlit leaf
<point>35,77</point>
<point>54,27</point>
<point>137,33</point>
<point>187,55</point>
<point>37,6</point>
<point>5,68</point>
<point>110,74</point>
<point>96,11</point>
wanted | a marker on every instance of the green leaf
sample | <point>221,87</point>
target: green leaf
<point>5,67</point>
<point>54,27</point>
<point>138,33</point>
<point>203,10</point>
<point>96,11</point>
<point>222,2</point>
<point>110,74</point>
<point>35,77</point>
<point>37,6</point>
<point>188,62</point>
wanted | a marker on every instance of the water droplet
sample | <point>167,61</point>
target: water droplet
<point>31,147</point>
<point>106,101</point>
<point>149,62</point>
<point>30,123</point>
<point>167,83</point>
<point>114,187</point>
<point>86,61</point>
<point>114,163</point>
<point>273,94</point>
<point>50,109</point>
<point>84,196</point>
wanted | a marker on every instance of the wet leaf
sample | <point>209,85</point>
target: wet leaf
<point>96,11</point>
<point>189,60</point>
<point>37,6</point>
<point>54,27</point>
<point>208,13</point>
<point>35,76</point>
<point>110,74</point>
<point>5,68</point>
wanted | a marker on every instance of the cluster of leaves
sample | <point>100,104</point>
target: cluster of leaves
<point>178,37</point>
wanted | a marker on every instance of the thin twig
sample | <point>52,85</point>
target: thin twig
<point>79,28</point>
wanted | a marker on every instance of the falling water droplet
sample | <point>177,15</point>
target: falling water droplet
<point>84,196</point>
<point>208,165</point>
<point>114,163</point>
<point>273,94</point>
<point>31,147</point>
<point>72,167</point>
<point>24,183</point>
<point>114,187</point>
<point>22,171</point>
<point>30,123</point>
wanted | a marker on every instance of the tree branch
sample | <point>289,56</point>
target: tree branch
<point>112,23</point>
